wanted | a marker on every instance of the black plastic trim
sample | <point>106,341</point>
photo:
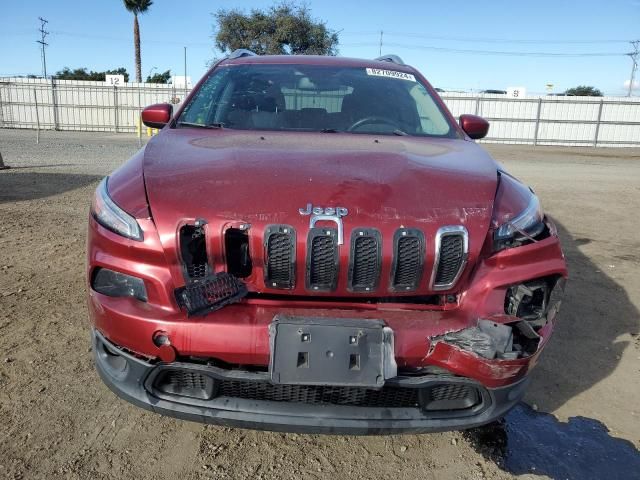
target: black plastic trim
<point>355,235</point>
<point>397,236</point>
<point>322,232</point>
<point>284,230</point>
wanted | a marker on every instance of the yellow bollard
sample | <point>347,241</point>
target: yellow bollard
<point>148,131</point>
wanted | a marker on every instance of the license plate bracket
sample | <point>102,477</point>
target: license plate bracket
<point>331,351</point>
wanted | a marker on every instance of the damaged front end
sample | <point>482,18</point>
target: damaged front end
<point>502,348</point>
<point>232,331</point>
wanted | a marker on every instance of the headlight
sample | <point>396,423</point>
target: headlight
<point>116,284</point>
<point>517,214</point>
<point>112,217</point>
<point>529,221</point>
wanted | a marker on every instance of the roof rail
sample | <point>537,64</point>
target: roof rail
<point>390,58</point>
<point>241,52</point>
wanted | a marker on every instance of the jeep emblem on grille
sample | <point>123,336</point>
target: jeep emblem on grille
<point>330,214</point>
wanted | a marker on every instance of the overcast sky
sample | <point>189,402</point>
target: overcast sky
<point>450,42</point>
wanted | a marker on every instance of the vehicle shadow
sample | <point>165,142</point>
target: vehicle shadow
<point>585,347</point>
<point>584,350</point>
<point>20,186</point>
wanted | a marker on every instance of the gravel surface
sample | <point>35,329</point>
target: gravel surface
<point>60,421</point>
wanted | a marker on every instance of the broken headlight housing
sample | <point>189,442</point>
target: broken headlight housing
<point>111,216</point>
<point>517,217</point>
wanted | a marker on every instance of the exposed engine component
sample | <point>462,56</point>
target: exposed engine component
<point>529,301</point>
<point>193,250</point>
<point>236,245</point>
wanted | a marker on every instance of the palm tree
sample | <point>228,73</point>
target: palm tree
<point>136,7</point>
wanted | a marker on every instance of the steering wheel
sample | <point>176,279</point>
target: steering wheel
<point>372,119</point>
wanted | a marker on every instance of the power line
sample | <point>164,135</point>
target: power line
<point>487,40</point>
<point>43,44</point>
<point>377,33</point>
<point>506,40</point>
<point>123,39</point>
<point>491,52</point>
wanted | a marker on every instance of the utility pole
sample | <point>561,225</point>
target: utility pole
<point>185,73</point>
<point>43,44</point>
<point>380,49</point>
<point>634,66</point>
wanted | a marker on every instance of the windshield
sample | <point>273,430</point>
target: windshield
<point>316,99</point>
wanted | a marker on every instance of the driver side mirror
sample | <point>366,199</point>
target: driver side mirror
<point>474,126</point>
<point>158,115</point>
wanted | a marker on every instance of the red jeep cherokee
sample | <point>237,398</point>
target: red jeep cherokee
<point>314,244</point>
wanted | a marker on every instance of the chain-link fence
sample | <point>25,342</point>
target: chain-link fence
<point>544,120</point>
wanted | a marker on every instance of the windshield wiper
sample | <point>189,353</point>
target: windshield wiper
<point>328,130</point>
<point>200,125</point>
<point>400,133</point>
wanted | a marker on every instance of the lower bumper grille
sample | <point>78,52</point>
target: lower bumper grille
<point>439,396</point>
<point>390,397</point>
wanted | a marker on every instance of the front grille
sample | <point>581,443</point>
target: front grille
<point>322,259</point>
<point>322,254</point>
<point>210,294</point>
<point>364,270</point>
<point>409,259</point>
<point>280,243</point>
<point>389,397</point>
<point>451,257</point>
<point>197,270</point>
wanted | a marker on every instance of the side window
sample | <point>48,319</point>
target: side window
<point>432,121</point>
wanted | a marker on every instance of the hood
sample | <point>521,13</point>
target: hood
<point>228,177</point>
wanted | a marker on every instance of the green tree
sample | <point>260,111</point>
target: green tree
<point>584,91</point>
<point>137,7</point>
<point>163,77</point>
<point>83,74</point>
<point>285,28</point>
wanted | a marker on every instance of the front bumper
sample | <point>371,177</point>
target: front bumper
<point>132,379</point>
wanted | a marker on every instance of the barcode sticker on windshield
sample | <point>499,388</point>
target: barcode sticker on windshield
<point>378,72</point>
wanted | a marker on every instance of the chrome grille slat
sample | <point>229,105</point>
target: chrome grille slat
<point>450,259</point>
<point>452,247</point>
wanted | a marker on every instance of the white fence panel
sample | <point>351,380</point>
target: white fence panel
<point>546,120</point>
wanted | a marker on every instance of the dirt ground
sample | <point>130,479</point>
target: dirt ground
<point>59,421</point>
